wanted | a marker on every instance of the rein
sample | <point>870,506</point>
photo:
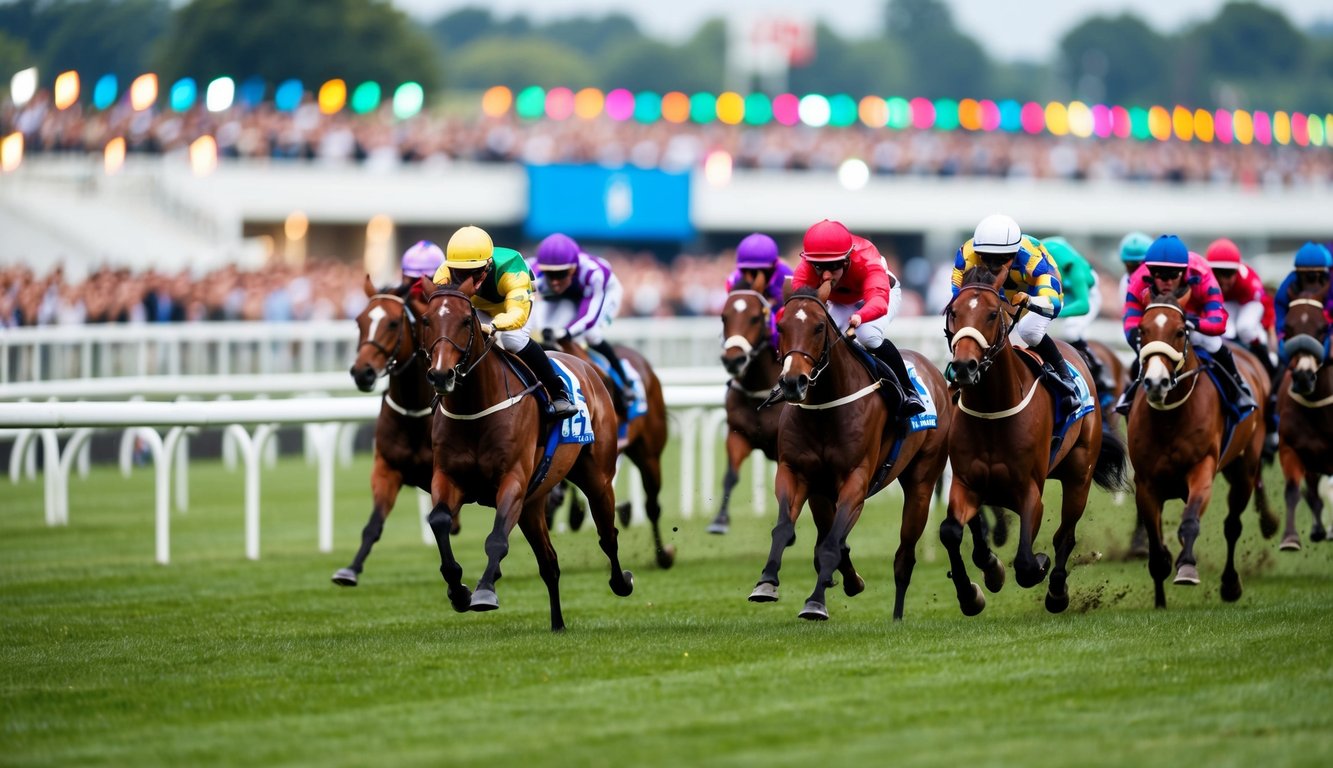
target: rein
<point>1177,358</point>
<point>751,351</point>
<point>818,366</point>
<point>464,352</point>
<point>394,366</point>
<point>989,351</point>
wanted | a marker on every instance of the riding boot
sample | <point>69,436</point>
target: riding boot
<point>909,400</point>
<point>1095,366</point>
<point>1270,427</point>
<point>605,349</point>
<point>1239,392</point>
<point>560,407</point>
<point>1057,372</point>
<point>1127,398</point>
<point>1260,350</point>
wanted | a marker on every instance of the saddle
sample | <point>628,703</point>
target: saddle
<point>1063,418</point>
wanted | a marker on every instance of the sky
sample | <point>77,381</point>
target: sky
<point>1007,29</point>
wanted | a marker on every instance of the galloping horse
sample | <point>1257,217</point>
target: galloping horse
<point>645,438</point>
<point>496,437</point>
<point>1001,447</point>
<point>388,347</point>
<point>1176,445</point>
<point>1305,420</point>
<point>837,446</point>
<point>749,354</point>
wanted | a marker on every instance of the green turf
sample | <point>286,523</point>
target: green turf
<point>109,659</point>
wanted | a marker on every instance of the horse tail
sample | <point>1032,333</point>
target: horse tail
<point>1112,470</point>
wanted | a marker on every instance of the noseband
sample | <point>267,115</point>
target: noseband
<point>394,366</point>
<point>465,352</point>
<point>752,351</point>
<point>989,349</point>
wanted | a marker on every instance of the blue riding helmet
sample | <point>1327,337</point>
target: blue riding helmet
<point>1167,251</point>
<point>1313,256</point>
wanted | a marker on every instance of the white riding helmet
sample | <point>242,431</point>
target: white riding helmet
<point>997,233</point>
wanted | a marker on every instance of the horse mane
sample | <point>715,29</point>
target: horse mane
<point>1166,297</point>
<point>806,291</point>
<point>978,275</point>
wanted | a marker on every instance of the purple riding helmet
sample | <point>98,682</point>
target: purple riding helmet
<point>558,252</point>
<point>422,259</point>
<point>757,251</point>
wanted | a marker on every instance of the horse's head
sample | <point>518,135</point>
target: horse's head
<point>977,323</point>
<point>806,336</point>
<point>744,329</point>
<point>1305,340</point>
<point>387,340</point>
<point>452,338</point>
<point>1164,344</point>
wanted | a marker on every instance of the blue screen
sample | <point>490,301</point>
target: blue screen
<point>608,203</point>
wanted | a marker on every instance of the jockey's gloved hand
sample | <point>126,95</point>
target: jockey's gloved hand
<point>1191,324</point>
<point>561,334</point>
<point>487,328</point>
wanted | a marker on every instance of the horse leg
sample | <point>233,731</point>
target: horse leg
<point>916,511</point>
<point>830,551</point>
<point>441,520</point>
<point>385,483</point>
<point>1000,530</point>
<point>650,470</point>
<point>1317,532</point>
<point>1029,568</point>
<point>982,555</point>
<point>791,493</point>
<point>1238,497</point>
<point>1073,499</point>
<point>1159,556</point>
<point>963,506</point>
<point>509,503</point>
<point>1200,483</point>
<point>1293,472</point>
<point>600,490</point>
<point>533,524</point>
<point>737,449</point>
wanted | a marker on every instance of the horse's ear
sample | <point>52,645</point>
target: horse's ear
<point>370,287</point>
<point>786,288</point>
<point>825,288</point>
<point>418,296</point>
<point>997,280</point>
<point>760,283</point>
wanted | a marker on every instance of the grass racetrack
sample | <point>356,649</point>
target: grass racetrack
<point>110,659</point>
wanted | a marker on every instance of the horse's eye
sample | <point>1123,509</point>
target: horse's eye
<point>393,323</point>
<point>754,321</point>
<point>819,329</point>
<point>1180,333</point>
<point>994,314</point>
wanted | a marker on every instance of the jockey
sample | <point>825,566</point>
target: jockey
<point>1133,247</point>
<point>421,260</point>
<point>580,297</point>
<point>1082,303</point>
<point>500,285</point>
<point>1170,266</point>
<point>999,246</point>
<point>1243,295</point>
<point>865,297</point>
<point>1310,277</point>
<point>757,257</point>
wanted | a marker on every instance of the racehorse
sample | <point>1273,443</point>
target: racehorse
<point>388,347</point>
<point>749,354</point>
<point>1305,420</point>
<point>1176,445</point>
<point>1116,372</point>
<point>496,436</point>
<point>837,446</point>
<point>1001,449</point>
<point>645,437</point>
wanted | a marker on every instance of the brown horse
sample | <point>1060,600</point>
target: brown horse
<point>494,428</point>
<point>388,347</point>
<point>1116,372</point>
<point>1175,445</point>
<point>645,438</point>
<point>836,448</point>
<point>749,354</point>
<point>1305,420</point>
<point>1000,447</point>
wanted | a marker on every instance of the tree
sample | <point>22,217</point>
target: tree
<point>457,30</point>
<point>592,36</point>
<point>14,56</point>
<point>94,37</point>
<point>356,40</point>
<point>858,68</point>
<point>1247,40</point>
<point>651,65</point>
<point>518,63</point>
<point>1118,60</point>
<point>942,60</point>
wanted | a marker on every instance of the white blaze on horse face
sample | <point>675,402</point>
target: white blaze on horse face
<point>376,314</point>
<point>973,303</point>
<point>1306,363</point>
<point>1160,320</point>
<point>786,366</point>
<point>801,315</point>
<point>739,305</point>
<point>444,310</point>
<point>1156,369</point>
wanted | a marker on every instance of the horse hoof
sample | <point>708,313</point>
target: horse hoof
<point>1231,590</point>
<point>1317,533</point>
<point>978,603</point>
<point>344,577</point>
<point>623,512</point>
<point>854,586</point>
<point>813,611</point>
<point>1187,575</point>
<point>624,587</point>
<point>1057,604</point>
<point>461,598</point>
<point>994,574</point>
<point>666,557</point>
<point>1290,543</point>
<point>719,527</point>
<point>764,593</point>
<point>484,600</point>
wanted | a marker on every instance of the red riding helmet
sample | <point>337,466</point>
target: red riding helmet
<point>1223,254</point>
<point>827,241</point>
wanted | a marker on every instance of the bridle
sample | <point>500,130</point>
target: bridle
<point>989,349</point>
<point>1177,357</point>
<point>752,351</point>
<point>394,366</point>
<point>820,365</point>
<point>465,352</point>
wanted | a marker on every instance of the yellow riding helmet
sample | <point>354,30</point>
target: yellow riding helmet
<point>469,248</point>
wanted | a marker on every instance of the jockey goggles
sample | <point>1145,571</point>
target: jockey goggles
<point>1224,274</point>
<point>1165,273</point>
<point>830,265</point>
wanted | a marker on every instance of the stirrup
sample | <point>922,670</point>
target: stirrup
<point>561,408</point>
